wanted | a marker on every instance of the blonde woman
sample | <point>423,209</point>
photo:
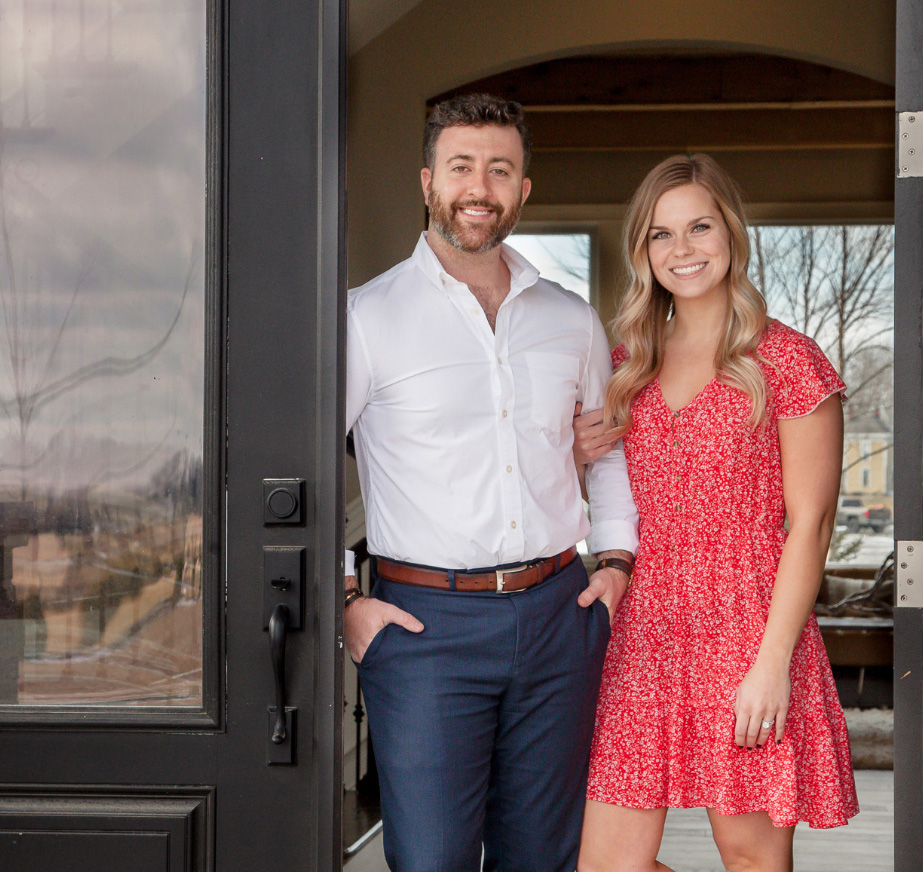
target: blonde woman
<point>717,691</point>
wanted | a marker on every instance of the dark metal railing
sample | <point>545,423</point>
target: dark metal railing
<point>367,795</point>
<point>367,782</point>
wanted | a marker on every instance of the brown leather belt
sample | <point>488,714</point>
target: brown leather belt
<point>506,580</point>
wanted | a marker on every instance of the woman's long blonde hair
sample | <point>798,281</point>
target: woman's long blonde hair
<point>647,305</point>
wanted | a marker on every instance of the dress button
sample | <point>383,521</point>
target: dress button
<point>677,476</point>
<point>676,443</point>
<point>678,507</point>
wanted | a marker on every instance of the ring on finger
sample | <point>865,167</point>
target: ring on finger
<point>766,725</point>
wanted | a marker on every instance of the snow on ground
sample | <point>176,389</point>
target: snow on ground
<point>872,551</point>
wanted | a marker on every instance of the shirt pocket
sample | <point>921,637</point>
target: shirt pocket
<point>554,380</point>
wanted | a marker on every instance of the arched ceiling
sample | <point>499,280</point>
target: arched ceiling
<point>711,102</point>
<point>613,86</point>
<point>789,129</point>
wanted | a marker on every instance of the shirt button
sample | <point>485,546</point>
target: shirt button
<point>499,360</point>
<point>509,469</point>
<point>513,524</point>
<point>504,413</point>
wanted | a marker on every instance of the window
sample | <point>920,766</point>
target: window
<point>565,258</point>
<point>835,283</point>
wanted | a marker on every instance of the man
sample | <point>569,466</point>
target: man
<point>480,652</point>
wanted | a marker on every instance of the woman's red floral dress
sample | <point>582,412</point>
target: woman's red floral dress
<point>709,493</point>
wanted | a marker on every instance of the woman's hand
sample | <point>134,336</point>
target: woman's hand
<point>591,440</point>
<point>762,698</point>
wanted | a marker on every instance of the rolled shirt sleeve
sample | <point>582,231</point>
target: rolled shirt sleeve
<point>613,515</point>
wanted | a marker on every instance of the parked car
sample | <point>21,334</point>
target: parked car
<point>853,514</point>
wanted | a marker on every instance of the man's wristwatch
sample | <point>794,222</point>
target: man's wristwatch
<point>351,595</point>
<point>620,563</point>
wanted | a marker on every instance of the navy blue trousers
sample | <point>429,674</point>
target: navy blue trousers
<point>482,725</point>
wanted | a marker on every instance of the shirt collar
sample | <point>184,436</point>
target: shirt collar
<point>522,274</point>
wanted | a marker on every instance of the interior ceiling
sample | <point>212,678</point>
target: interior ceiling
<point>728,102</point>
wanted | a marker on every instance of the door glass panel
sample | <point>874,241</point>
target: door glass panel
<point>836,284</point>
<point>102,227</point>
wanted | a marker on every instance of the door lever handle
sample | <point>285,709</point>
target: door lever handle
<point>278,628</point>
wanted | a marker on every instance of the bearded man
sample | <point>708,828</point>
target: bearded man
<point>481,646</point>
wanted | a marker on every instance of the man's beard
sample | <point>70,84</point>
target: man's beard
<point>473,239</point>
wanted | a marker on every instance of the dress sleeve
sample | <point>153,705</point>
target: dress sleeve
<point>619,356</point>
<point>801,377</point>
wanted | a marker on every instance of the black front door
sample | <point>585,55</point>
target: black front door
<point>171,179</point>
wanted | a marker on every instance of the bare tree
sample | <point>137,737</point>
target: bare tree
<point>788,265</point>
<point>835,284</point>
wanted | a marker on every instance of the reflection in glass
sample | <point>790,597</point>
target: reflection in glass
<point>102,220</point>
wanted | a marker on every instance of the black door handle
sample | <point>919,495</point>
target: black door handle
<point>278,628</point>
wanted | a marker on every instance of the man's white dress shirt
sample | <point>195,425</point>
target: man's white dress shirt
<point>464,435</point>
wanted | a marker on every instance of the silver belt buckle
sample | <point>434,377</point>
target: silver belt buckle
<point>501,572</point>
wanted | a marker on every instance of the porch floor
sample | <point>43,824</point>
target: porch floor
<point>866,845</point>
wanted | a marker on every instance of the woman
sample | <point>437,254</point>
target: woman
<point>717,691</point>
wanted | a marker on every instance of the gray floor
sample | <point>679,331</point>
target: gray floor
<point>866,845</point>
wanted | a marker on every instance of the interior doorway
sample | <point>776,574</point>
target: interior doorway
<point>811,143</point>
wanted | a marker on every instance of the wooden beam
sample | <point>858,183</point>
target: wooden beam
<point>714,107</point>
<point>706,130</point>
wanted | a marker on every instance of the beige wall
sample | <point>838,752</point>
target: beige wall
<point>440,45</point>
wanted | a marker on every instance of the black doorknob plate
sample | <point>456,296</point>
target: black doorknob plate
<point>283,583</point>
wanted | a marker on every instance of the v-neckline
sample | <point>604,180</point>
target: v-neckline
<point>677,412</point>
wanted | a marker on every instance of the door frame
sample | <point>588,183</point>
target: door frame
<point>330,421</point>
<point>908,454</point>
<point>285,117</point>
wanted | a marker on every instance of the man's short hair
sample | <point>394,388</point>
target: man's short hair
<point>475,110</point>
